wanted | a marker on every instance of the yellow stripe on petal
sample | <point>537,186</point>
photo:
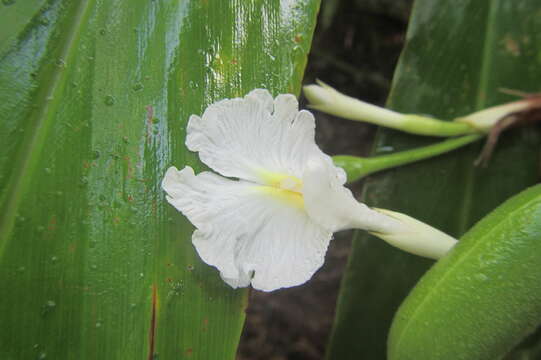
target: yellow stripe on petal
<point>281,181</point>
<point>292,198</point>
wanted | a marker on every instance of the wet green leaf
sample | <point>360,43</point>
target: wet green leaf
<point>484,297</point>
<point>457,56</point>
<point>94,97</point>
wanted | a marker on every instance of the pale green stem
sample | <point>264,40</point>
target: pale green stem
<point>324,98</point>
<point>358,167</point>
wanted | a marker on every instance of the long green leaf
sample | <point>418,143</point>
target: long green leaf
<point>458,54</point>
<point>484,297</point>
<point>94,97</point>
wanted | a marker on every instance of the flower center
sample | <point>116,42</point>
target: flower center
<point>281,181</point>
<point>284,187</point>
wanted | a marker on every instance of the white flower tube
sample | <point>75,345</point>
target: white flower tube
<point>324,98</point>
<point>416,237</point>
<point>327,99</point>
<point>332,205</point>
<point>272,226</point>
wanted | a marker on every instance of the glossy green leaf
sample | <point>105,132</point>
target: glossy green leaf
<point>94,97</point>
<point>457,56</point>
<point>484,297</point>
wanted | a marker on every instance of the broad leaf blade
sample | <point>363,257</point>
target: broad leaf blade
<point>483,298</point>
<point>95,96</point>
<point>457,56</point>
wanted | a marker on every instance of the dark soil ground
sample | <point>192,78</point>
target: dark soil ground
<point>355,49</point>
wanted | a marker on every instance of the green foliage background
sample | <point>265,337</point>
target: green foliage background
<point>457,56</point>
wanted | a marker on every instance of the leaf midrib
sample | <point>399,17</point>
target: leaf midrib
<point>465,211</point>
<point>464,219</point>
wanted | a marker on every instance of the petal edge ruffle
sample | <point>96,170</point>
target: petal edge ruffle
<point>247,232</point>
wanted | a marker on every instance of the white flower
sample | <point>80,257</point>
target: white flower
<point>270,222</point>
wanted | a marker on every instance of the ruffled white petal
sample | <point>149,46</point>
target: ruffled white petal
<point>333,206</point>
<point>251,233</point>
<point>255,137</point>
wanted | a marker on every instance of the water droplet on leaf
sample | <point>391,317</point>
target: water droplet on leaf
<point>384,149</point>
<point>49,306</point>
<point>84,181</point>
<point>481,277</point>
<point>110,100</point>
